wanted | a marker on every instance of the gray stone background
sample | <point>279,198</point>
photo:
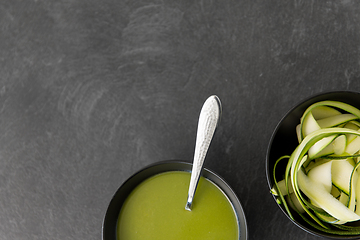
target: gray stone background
<point>92,91</point>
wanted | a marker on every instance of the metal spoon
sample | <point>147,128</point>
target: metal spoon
<point>208,121</point>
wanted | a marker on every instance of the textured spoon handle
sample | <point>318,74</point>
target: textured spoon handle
<point>208,120</point>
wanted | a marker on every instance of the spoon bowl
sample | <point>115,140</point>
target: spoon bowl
<point>110,222</point>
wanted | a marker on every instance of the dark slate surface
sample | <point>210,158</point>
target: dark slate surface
<point>92,91</point>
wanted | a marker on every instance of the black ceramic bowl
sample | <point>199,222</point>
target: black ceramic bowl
<point>284,142</point>
<point>112,213</point>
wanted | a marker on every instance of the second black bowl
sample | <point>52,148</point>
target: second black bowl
<point>284,141</point>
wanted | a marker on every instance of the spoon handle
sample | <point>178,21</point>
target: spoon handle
<point>208,121</point>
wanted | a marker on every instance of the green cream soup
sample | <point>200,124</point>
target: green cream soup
<point>156,210</point>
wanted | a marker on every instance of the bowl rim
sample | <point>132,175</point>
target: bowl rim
<point>267,161</point>
<point>163,166</point>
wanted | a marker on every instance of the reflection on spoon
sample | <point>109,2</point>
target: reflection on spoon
<point>208,121</point>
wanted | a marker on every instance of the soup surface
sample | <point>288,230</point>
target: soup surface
<point>156,210</point>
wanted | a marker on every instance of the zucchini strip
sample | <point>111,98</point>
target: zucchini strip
<point>340,105</point>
